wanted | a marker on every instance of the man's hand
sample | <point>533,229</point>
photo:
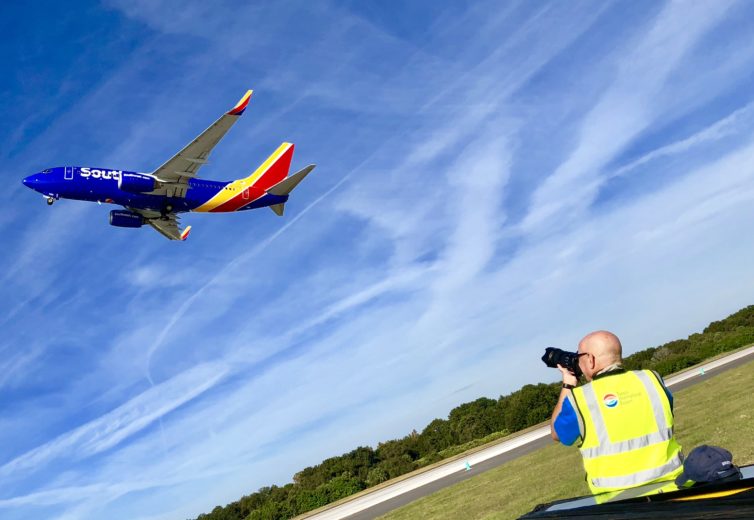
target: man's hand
<point>568,377</point>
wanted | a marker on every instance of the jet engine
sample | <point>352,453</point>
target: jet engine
<point>123,218</point>
<point>136,183</point>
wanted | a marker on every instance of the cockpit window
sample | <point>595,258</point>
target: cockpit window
<point>47,171</point>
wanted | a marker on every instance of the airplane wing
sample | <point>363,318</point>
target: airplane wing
<point>174,174</point>
<point>167,225</point>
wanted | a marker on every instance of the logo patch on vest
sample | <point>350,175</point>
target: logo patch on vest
<point>610,400</point>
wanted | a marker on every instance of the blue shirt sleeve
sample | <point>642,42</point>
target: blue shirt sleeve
<point>567,424</point>
<point>670,396</point>
<point>667,392</point>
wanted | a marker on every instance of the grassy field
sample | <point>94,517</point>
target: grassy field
<point>717,411</point>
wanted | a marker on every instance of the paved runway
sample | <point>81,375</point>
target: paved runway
<point>381,501</point>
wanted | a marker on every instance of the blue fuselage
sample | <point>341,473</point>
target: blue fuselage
<point>102,185</point>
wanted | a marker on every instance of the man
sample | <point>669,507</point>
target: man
<point>622,421</point>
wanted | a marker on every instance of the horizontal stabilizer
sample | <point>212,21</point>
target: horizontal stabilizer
<point>278,209</point>
<point>286,186</point>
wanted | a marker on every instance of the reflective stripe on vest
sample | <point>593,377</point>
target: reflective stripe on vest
<point>631,444</point>
<point>656,399</point>
<point>659,430</point>
<point>640,476</point>
<point>606,447</point>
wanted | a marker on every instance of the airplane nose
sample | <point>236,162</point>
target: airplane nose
<point>29,181</point>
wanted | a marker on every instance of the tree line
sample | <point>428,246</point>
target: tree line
<point>467,425</point>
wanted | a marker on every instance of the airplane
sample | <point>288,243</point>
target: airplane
<point>158,198</point>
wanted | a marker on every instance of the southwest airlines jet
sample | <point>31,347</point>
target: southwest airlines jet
<point>159,197</point>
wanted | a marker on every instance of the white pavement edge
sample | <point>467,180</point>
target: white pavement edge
<point>386,493</point>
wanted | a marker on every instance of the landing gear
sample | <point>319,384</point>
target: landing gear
<point>166,210</point>
<point>50,200</point>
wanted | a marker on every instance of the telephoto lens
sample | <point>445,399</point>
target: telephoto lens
<point>569,360</point>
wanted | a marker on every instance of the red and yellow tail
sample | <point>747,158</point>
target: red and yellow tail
<point>273,170</point>
<point>239,193</point>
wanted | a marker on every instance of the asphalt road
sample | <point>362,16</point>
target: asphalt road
<point>676,383</point>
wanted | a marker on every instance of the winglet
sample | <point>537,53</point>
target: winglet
<point>185,233</point>
<point>241,105</point>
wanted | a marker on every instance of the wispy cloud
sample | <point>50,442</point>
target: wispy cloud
<point>114,427</point>
<point>731,124</point>
<point>14,363</point>
<point>626,108</point>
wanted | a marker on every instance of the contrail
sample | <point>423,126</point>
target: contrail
<point>240,258</point>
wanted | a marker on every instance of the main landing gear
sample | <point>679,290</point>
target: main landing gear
<point>50,200</point>
<point>166,210</point>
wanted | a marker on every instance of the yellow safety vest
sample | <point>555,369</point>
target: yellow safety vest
<point>628,432</point>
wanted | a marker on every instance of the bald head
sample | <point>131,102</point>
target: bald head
<point>604,346</point>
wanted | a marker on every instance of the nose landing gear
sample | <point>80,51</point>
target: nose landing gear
<point>50,200</point>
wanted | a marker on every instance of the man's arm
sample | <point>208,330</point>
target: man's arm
<point>569,379</point>
<point>664,387</point>
<point>556,412</point>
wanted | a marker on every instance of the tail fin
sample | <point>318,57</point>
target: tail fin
<point>286,186</point>
<point>273,170</point>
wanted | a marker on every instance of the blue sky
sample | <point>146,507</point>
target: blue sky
<point>493,178</point>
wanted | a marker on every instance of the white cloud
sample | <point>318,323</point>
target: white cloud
<point>626,108</point>
<point>114,427</point>
<point>731,124</point>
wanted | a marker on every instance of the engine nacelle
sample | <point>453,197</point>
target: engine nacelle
<point>136,183</point>
<point>123,218</point>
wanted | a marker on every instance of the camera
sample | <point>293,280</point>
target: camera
<point>555,356</point>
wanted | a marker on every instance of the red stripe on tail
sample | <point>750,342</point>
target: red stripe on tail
<point>276,172</point>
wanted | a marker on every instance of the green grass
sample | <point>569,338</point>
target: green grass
<point>717,411</point>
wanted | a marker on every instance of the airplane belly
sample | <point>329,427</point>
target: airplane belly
<point>83,190</point>
<point>153,202</point>
<point>197,196</point>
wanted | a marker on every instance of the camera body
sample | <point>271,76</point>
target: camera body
<point>569,360</point>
